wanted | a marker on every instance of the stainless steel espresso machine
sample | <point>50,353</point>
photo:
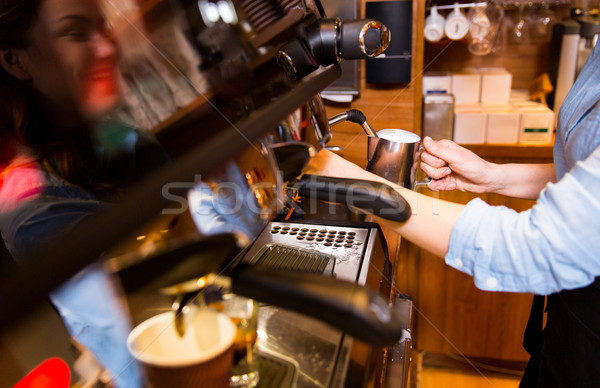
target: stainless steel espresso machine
<point>221,93</point>
<point>323,355</point>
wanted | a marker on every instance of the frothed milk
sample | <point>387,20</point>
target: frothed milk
<point>399,136</point>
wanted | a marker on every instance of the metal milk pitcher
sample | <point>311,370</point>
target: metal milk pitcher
<point>394,155</point>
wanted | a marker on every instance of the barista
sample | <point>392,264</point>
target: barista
<point>60,163</point>
<point>551,249</point>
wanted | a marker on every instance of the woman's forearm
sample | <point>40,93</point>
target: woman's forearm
<point>431,222</point>
<point>522,180</point>
<point>432,219</point>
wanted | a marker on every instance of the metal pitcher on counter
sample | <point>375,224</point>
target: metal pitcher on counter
<point>391,153</point>
<point>394,154</point>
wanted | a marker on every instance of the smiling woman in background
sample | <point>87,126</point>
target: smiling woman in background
<point>60,161</point>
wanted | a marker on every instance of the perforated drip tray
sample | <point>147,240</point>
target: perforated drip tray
<point>292,258</point>
<point>275,372</point>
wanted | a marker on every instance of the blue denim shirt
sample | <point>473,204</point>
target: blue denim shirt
<point>555,245</point>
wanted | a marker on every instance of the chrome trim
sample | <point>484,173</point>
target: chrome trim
<point>385,38</point>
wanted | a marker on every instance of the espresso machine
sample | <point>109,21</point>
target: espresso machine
<point>237,80</point>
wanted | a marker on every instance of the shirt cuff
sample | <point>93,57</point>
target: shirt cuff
<point>467,251</point>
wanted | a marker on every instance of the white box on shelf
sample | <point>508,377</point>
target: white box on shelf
<point>496,84</point>
<point>536,125</point>
<point>517,95</point>
<point>469,124</point>
<point>502,124</point>
<point>437,82</point>
<point>466,86</point>
<point>532,105</point>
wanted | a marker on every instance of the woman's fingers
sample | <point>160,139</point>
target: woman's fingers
<point>442,184</point>
<point>446,150</point>
<point>435,172</point>
<point>432,160</point>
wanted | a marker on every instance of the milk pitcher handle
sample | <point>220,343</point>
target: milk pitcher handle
<point>425,182</point>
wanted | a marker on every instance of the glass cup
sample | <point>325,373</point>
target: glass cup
<point>539,19</point>
<point>244,314</point>
<point>484,24</point>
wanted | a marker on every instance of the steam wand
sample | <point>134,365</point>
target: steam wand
<point>355,116</point>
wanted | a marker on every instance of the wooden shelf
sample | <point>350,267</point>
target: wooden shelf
<point>542,153</point>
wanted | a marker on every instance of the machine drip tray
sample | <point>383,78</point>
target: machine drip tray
<point>293,258</point>
<point>275,372</point>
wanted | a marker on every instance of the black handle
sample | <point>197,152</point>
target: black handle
<point>356,310</point>
<point>292,157</point>
<point>373,197</point>
<point>356,116</point>
<point>179,263</point>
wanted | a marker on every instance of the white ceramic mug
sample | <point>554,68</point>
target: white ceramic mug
<point>434,26</point>
<point>457,24</point>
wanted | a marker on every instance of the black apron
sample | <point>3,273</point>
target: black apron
<point>566,353</point>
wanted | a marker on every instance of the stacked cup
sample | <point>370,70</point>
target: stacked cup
<point>455,26</point>
<point>481,24</point>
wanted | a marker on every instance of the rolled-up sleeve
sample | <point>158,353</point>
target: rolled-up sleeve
<point>553,246</point>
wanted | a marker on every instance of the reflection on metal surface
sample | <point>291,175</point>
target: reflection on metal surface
<point>374,38</point>
<point>240,197</point>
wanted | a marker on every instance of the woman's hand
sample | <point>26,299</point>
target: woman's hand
<point>453,167</point>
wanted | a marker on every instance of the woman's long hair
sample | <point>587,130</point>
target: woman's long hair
<point>22,122</point>
<point>16,18</point>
